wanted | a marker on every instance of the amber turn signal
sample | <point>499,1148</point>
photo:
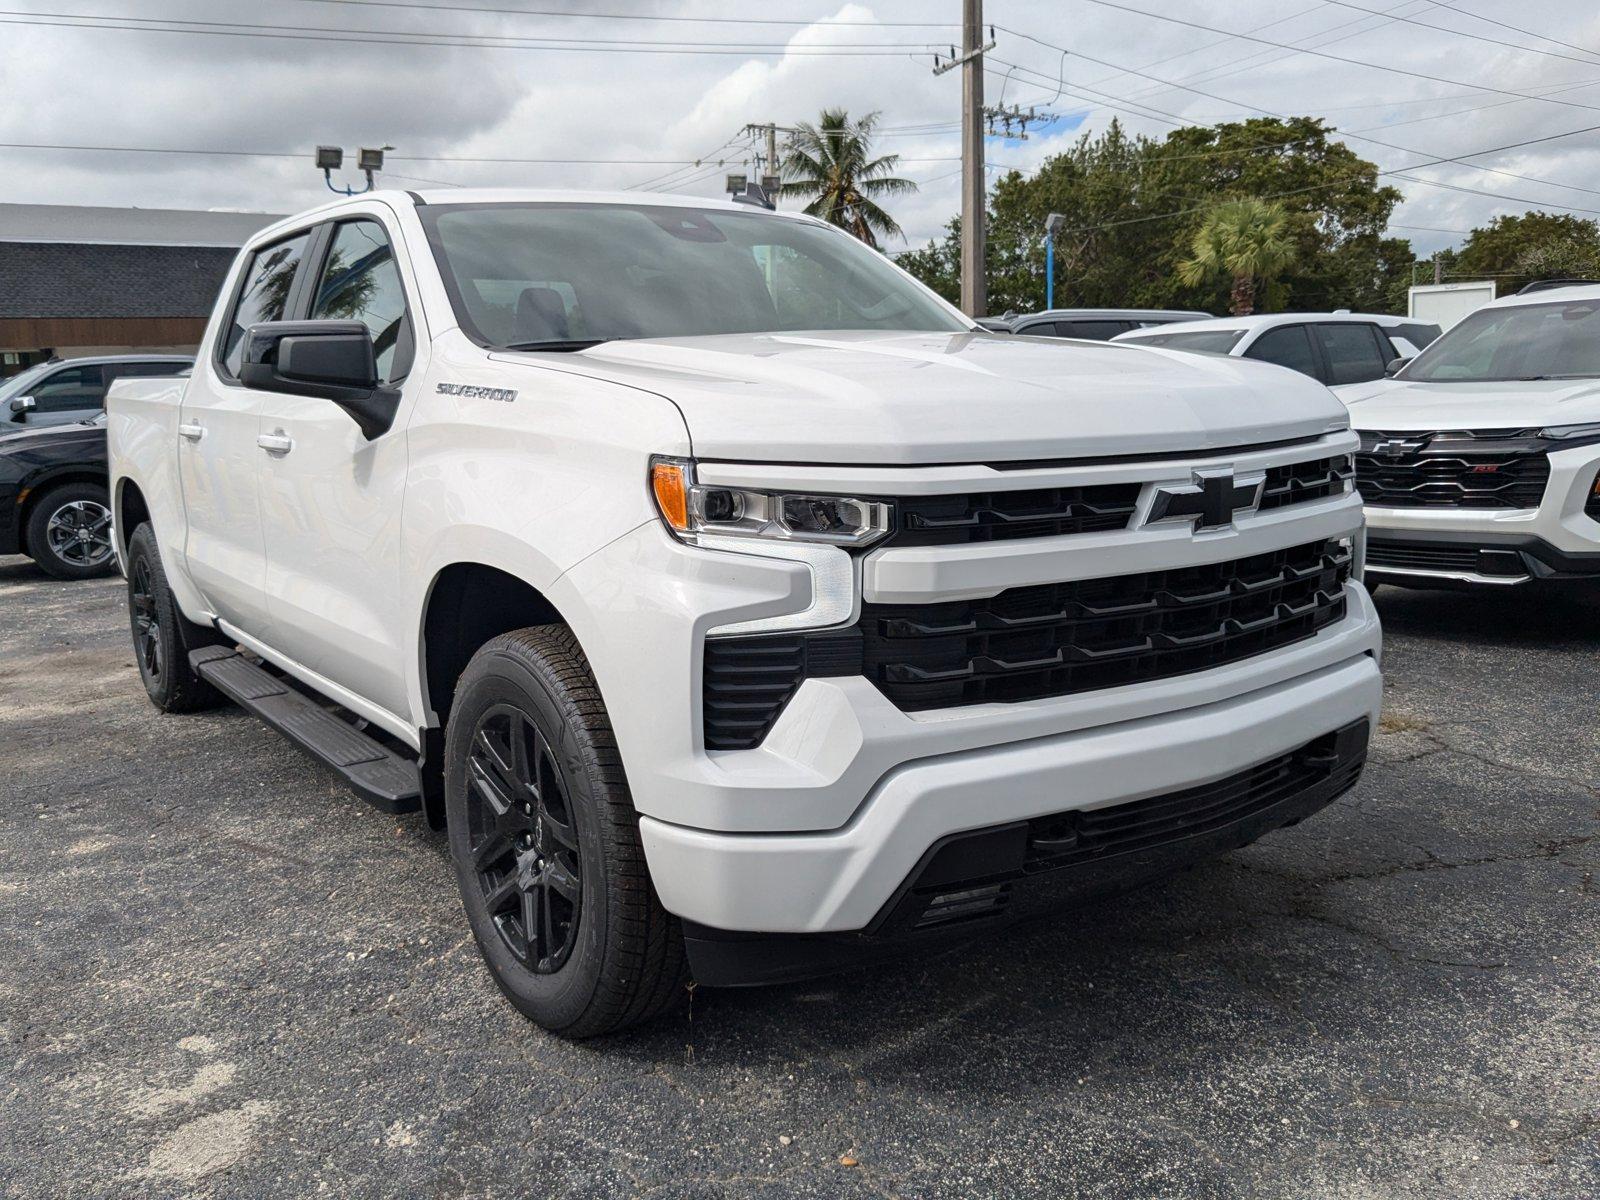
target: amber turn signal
<point>671,486</point>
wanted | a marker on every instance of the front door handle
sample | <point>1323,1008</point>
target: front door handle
<point>276,443</point>
<point>193,431</point>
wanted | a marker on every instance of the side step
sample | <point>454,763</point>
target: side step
<point>376,773</point>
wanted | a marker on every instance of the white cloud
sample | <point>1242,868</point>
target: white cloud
<point>154,89</point>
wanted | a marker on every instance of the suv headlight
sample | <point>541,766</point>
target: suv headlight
<point>691,509</point>
<point>1562,432</point>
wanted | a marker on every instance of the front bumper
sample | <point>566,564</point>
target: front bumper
<point>969,885</point>
<point>1438,547</point>
<point>841,880</point>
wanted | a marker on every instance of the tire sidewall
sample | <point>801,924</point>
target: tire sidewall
<point>38,536</point>
<point>142,549</point>
<point>501,677</point>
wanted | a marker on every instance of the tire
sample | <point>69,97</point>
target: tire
<point>69,532</point>
<point>545,839</point>
<point>163,636</point>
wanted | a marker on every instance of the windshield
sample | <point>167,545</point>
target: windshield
<point>521,274</point>
<point>1524,341</point>
<point>1207,341</point>
<point>18,385</point>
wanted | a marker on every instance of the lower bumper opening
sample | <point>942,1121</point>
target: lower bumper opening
<point>1445,557</point>
<point>968,884</point>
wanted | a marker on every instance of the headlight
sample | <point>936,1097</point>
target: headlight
<point>1561,432</point>
<point>691,509</point>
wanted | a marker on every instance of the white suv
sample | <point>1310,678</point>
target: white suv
<point>1480,459</point>
<point>1340,349</point>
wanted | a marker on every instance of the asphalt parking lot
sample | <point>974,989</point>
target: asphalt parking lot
<point>222,975</point>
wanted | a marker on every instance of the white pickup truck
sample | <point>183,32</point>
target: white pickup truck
<point>741,608</point>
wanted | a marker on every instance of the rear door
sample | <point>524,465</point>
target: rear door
<point>1288,346</point>
<point>331,499</point>
<point>218,458</point>
<point>1354,351</point>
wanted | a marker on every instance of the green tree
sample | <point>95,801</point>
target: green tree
<point>1133,204</point>
<point>1514,250</point>
<point>832,164</point>
<point>1244,240</point>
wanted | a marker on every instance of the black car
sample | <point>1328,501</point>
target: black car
<point>53,501</point>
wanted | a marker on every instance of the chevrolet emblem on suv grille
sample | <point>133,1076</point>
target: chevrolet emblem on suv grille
<point>1210,501</point>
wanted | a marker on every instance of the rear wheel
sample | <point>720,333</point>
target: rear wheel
<point>546,842</point>
<point>69,532</point>
<point>162,636</point>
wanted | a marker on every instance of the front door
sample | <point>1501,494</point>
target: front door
<point>331,499</point>
<point>218,457</point>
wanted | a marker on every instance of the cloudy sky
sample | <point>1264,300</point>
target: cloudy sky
<point>642,92</point>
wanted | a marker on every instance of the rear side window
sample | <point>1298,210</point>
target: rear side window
<point>1094,331</point>
<point>1287,346</point>
<point>264,296</point>
<point>1418,333</point>
<point>1355,355</point>
<point>360,282</point>
<point>143,370</point>
<point>70,390</point>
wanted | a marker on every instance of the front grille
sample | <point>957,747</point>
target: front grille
<point>1303,482</point>
<point>1005,516</point>
<point>1057,639</point>
<point>1458,472</point>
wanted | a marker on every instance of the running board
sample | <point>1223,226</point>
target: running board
<point>376,773</point>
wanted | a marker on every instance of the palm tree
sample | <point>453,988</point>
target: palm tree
<point>831,163</point>
<point>1246,239</point>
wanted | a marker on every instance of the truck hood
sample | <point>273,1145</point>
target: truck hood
<point>918,398</point>
<point>1395,404</point>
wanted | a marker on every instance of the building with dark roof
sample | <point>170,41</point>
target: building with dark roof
<point>76,281</point>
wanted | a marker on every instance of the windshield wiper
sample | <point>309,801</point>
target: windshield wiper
<point>558,345</point>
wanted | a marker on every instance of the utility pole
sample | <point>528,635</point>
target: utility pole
<point>1438,269</point>
<point>769,177</point>
<point>974,289</point>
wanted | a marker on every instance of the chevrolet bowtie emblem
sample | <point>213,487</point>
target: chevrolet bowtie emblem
<point>1210,501</point>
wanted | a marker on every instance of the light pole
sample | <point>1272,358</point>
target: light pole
<point>1051,223</point>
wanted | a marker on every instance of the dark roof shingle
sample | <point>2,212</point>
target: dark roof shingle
<point>42,279</point>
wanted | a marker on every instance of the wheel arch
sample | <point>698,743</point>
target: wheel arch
<point>129,509</point>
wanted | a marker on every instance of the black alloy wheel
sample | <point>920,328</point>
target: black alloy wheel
<point>524,841</point>
<point>69,531</point>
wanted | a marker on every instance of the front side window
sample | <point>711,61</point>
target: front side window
<point>264,296</point>
<point>70,390</point>
<point>1287,346</point>
<point>1353,351</point>
<point>1519,342</point>
<point>361,282</point>
<point>520,274</point>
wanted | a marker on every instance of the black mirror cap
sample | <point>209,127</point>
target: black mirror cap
<point>1394,367</point>
<point>330,360</point>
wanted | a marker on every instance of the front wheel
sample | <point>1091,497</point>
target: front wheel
<point>69,532</point>
<point>546,842</point>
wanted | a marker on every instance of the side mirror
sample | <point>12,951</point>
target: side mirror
<point>331,360</point>
<point>23,405</point>
<point>1394,367</point>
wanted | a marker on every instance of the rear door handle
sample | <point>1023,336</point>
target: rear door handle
<point>276,443</point>
<point>193,431</point>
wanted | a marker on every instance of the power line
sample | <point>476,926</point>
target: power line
<point>626,162</point>
<point>1339,58</point>
<point>610,16</point>
<point>374,37</point>
<point>1455,8</point>
<point>1588,62</point>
